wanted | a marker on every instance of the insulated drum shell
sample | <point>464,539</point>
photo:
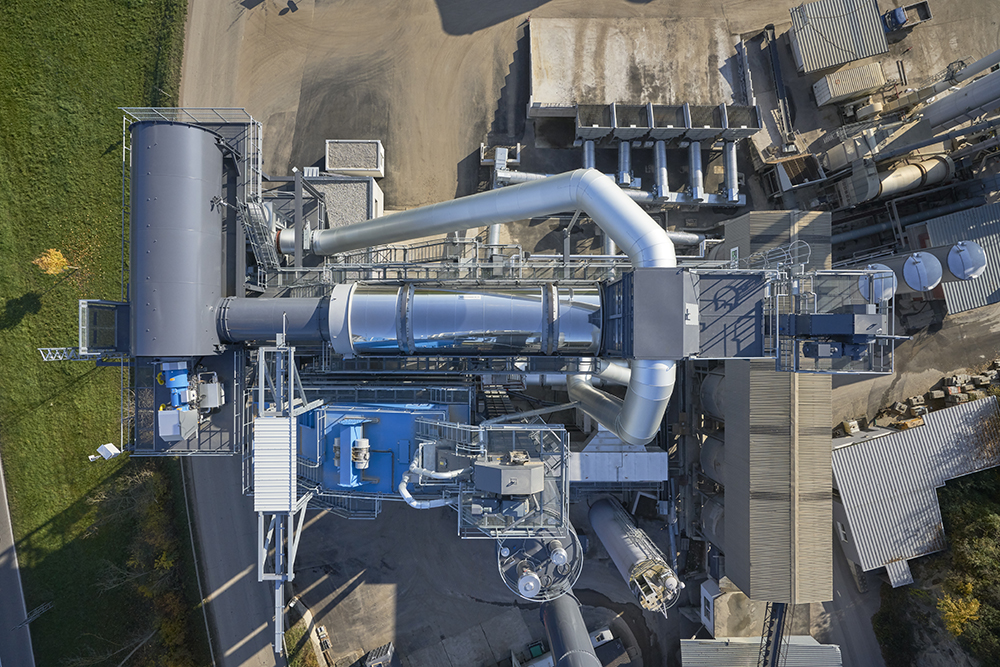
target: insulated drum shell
<point>175,281</point>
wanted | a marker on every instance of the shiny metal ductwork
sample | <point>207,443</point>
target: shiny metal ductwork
<point>636,419</point>
<point>501,322</point>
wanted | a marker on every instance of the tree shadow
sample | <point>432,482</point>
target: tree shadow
<point>292,7</point>
<point>15,310</point>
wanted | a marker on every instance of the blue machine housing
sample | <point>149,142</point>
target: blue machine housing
<point>390,430</point>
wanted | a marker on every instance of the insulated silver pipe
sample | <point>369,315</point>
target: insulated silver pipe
<point>694,165</point>
<point>589,158</point>
<point>732,176</point>
<point>517,177</point>
<point>567,634</point>
<point>608,246</point>
<point>660,162</point>
<point>637,418</point>
<point>617,372</point>
<point>624,163</point>
<point>584,189</point>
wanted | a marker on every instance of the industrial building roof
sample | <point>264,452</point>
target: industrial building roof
<point>982,225</point>
<point>829,33</point>
<point>778,512</point>
<point>777,495</point>
<point>801,651</point>
<point>888,485</point>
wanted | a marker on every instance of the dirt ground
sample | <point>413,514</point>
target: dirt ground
<point>964,341</point>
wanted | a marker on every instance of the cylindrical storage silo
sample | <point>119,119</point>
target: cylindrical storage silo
<point>877,287</point>
<point>713,523</point>
<point>963,261</point>
<point>713,395</point>
<point>915,272</point>
<point>713,459</point>
<point>567,634</point>
<point>175,279</point>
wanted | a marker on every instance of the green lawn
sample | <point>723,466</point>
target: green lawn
<point>64,69</point>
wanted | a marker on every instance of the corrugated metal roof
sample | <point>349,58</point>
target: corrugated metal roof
<point>829,33</point>
<point>778,486</point>
<point>273,465</point>
<point>760,231</point>
<point>745,652</point>
<point>888,485</point>
<point>848,83</point>
<point>982,225</point>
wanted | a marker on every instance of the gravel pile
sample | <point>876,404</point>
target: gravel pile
<point>346,202</point>
<point>352,155</point>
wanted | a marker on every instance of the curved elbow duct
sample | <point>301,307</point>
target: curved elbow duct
<point>418,504</point>
<point>636,419</point>
<point>616,372</point>
<point>588,190</point>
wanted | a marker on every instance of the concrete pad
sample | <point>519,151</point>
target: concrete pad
<point>629,61</point>
<point>431,656</point>
<point>469,649</point>
<point>505,633</point>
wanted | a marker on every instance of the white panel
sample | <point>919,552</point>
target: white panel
<point>618,466</point>
<point>273,465</point>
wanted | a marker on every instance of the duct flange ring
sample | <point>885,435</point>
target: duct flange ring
<point>404,323</point>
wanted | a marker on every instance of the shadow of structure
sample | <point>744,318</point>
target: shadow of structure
<point>464,17</point>
<point>509,118</point>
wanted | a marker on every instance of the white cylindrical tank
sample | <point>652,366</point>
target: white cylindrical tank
<point>916,271</point>
<point>713,459</point>
<point>879,287</point>
<point>713,395</point>
<point>641,564</point>
<point>963,261</point>
<point>713,523</point>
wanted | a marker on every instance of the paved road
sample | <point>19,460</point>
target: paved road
<point>15,645</point>
<point>240,608</point>
<point>850,616</point>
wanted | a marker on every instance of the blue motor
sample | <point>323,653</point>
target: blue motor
<point>175,378</point>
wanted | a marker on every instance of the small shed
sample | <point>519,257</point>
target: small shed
<point>848,84</point>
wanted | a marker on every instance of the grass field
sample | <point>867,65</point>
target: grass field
<point>64,69</point>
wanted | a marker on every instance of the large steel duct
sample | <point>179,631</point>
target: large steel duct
<point>568,638</point>
<point>587,190</point>
<point>975,99</point>
<point>636,419</point>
